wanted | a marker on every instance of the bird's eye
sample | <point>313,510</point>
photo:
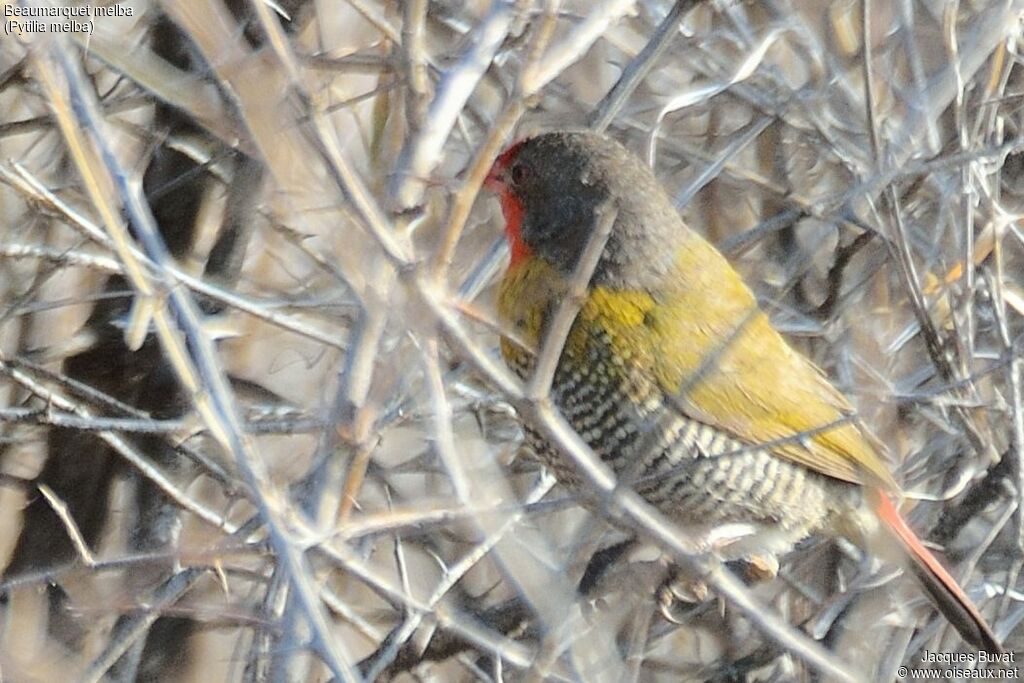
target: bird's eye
<point>519,173</point>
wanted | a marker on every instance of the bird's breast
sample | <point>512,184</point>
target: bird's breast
<point>526,296</point>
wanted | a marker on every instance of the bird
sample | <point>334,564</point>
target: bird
<point>678,381</point>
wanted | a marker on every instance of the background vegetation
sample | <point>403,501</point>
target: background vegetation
<point>253,422</point>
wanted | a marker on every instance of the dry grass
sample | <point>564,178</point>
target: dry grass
<point>254,423</point>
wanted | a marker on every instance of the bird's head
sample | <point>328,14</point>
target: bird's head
<point>551,188</point>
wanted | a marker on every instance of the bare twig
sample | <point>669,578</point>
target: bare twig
<point>123,448</point>
<point>568,308</point>
<point>566,52</point>
<point>196,365</point>
<point>414,16</point>
<point>533,579</point>
<point>61,509</point>
<point>422,152</point>
<point>130,631</point>
<point>638,68</point>
<point>33,189</point>
<point>383,658</point>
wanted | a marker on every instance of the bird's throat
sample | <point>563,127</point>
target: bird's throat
<point>512,209</point>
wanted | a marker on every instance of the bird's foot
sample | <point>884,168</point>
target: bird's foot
<point>676,593</point>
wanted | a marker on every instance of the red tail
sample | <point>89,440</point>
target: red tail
<point>942,588</point>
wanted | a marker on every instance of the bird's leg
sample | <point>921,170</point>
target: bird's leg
<point>725,541</point>
<point>678,590</point>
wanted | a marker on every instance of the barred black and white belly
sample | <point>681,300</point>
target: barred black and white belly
<point>691,471</point>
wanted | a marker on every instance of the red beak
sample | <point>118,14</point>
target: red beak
<point>494,181</point>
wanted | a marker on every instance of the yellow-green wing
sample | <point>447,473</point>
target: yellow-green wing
<point>716,356</point>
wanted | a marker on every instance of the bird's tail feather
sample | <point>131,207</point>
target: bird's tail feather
<point>946,594</point>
